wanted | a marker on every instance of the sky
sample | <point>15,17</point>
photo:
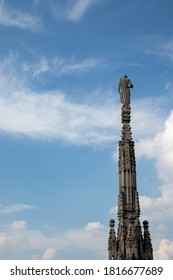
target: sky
<point>60,123</point>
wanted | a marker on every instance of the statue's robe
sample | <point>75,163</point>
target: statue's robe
<point>124,90</point>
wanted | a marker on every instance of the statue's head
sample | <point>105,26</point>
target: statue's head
<point>125,76</point>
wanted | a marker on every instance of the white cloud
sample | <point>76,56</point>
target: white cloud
<point>59,66</point>
<point>73,10</point>
<point>79,9</point>
<point>161,47</point>
<point>159,209</point>
<point>92,121</point>
<point>92,229</point>
<point>168,86</point>
<point>160,148</point>
<point>18,18</point>
<point>113,210</point>
<point>80,66</point>
<point>165,250</point>
<point>51,114</point>
<point>18,225</point>
<point>49,254</point>
<point>94,226</point>
<point>17,241</point>
<point>149,114</point>
<point>15,208</point>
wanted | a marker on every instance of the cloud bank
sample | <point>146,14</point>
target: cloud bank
<point>17,241</point>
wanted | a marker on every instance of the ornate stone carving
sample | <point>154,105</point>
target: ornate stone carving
<point>129,243</point>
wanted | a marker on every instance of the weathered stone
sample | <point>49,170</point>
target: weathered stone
<point>129,243</point>
<point>124,90</point>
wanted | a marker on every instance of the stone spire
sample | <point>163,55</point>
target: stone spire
<point>112,241</point>
<point>129,243</point>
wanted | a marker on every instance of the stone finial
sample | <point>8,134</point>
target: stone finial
<point>112,241</point>
<point>112,223</point>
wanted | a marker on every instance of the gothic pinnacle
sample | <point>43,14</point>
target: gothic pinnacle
<point>129,242</point>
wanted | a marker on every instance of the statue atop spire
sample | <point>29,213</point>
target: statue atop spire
<point>124,87</point>
<point>128,242</point>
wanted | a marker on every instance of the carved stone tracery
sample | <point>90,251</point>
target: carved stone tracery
<point>129,242</point>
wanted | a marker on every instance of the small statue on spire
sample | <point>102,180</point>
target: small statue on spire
<point>124,90</point>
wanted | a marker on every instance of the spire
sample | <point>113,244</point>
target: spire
<point>112,241</point>
<point>148,250</point>
<point>129,242</point>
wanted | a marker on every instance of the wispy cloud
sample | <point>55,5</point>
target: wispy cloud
<point>17,18</point>
<point>80,8</point>
<point>54,115</point>
<point>132,64</point>
<point>15,208</point>
<point>75,9</point>
<point>59,66</point>
<point>156,45</point>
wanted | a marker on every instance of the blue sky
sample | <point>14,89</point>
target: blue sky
<point>60,63</point>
